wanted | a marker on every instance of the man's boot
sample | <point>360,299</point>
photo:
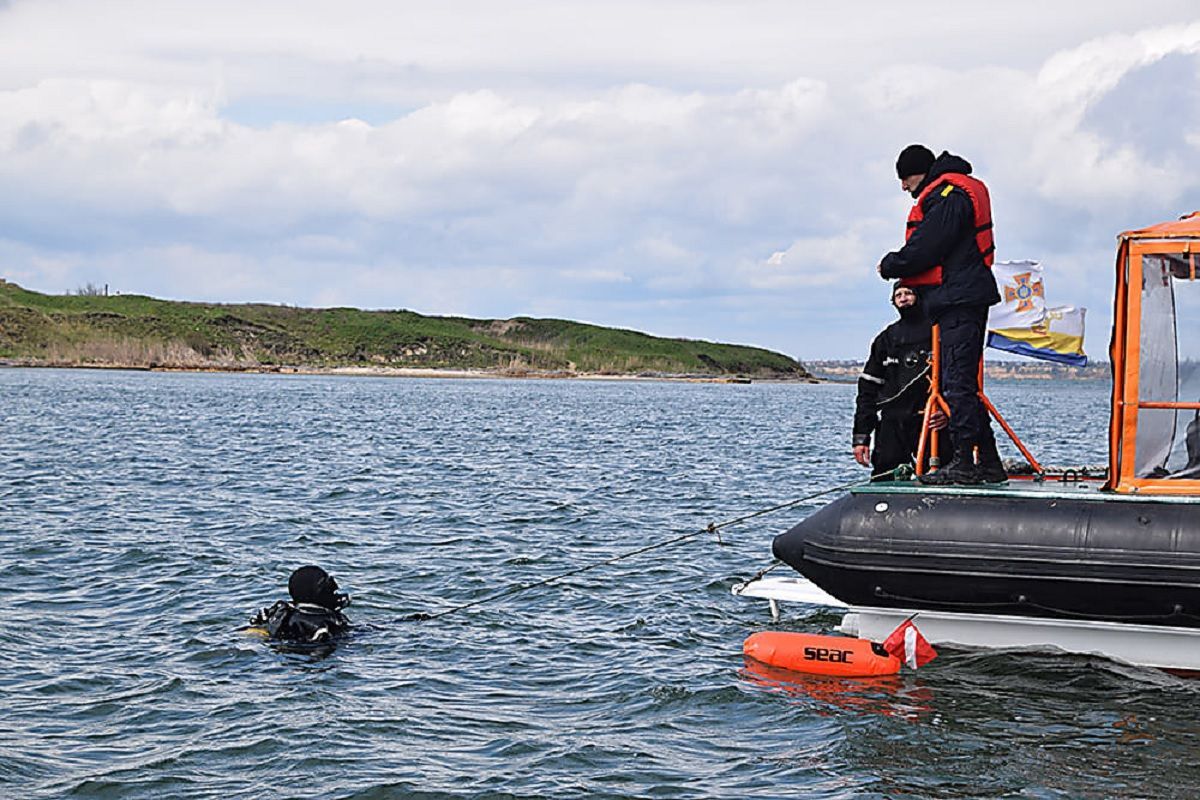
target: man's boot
<point>961,471</point>
<point>991,468</point>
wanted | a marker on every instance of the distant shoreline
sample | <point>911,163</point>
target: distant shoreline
<point>92,330</point>
<point>820,372</point>
<point>414,372</point>
<point>848,371</point>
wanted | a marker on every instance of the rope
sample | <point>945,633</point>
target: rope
<point>775,562</point>
<point>712,528</point>
<point>896,396</point>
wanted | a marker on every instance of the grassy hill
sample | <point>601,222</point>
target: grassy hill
<point>138,331</point>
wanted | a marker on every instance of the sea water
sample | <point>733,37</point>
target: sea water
<point>145,516</point>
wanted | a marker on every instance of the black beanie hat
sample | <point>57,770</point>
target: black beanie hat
<point>916,159</point>
<point>313,585</point>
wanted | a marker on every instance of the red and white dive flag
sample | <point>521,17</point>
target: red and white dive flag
<point>907,644</point>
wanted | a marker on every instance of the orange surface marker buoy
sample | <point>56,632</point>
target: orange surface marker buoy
<point>820,655</point>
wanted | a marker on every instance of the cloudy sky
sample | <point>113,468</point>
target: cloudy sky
<point>714,169</point>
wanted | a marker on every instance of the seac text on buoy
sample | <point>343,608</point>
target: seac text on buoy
<point>820,655</point>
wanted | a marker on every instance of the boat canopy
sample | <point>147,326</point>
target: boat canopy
<point>1155,431</point>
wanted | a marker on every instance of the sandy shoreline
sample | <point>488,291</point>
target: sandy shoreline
<point>413,372</point>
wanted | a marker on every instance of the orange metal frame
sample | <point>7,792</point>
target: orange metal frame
<point>929,438</point>
<point>928,443</point>
<point>1125,352</point>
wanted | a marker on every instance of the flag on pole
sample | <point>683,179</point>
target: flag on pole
<point>1059,337</point>
<point>1022,295</point>
<point>1022,324</point>
<point>907,644</point>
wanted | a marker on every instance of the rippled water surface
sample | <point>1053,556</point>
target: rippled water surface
<point>144,517</point>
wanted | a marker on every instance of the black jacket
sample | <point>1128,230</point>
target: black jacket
<point>301,622</point>
<point>895,379</point>
<point>945,236</point>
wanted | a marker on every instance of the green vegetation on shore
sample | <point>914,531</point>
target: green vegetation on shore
<point>137,331</point>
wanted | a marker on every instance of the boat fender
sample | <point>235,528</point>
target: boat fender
<point>843,656</point>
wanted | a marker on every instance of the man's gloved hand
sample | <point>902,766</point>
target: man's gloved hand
<point>938,420</point>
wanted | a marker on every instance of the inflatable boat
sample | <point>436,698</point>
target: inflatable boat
<point>1041,550</point>
<point>1107,565</point>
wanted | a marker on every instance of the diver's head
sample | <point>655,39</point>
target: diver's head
<point>903,296</point>
<point>907,302</point>
<point>316,586</point>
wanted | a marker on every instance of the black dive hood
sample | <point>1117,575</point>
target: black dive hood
<point>315,586</point>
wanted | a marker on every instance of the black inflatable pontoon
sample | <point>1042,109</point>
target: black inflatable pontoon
<point>1036,550</point>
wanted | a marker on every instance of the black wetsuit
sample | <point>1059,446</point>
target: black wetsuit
<point>892,391</point>
<point>301,622</point>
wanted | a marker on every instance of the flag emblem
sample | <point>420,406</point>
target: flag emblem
<point>1025,288</point>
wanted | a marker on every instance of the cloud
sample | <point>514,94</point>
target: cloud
<point>686,173</point>
<point>596,275</point>
<point>814,261</point>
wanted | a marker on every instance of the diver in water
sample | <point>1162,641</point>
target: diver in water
<point>314,614</point>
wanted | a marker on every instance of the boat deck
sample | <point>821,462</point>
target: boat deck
<point>1050,487</point>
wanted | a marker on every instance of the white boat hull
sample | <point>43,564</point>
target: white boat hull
<point>1159,646</point>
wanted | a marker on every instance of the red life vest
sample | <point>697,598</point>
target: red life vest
<point>981,202</point>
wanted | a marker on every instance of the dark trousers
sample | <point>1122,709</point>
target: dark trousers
<point>896,441</point>
<point>961,340</point>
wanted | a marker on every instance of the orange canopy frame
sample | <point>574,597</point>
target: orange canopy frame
<point>1180,240</point>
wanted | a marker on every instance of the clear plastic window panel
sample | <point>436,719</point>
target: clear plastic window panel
<point>1168,440</point>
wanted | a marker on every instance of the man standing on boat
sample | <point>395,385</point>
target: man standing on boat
<point>947,257</point>
<point>893,390</point>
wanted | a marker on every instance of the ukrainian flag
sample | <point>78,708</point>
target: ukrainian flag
<point>1058,337</point>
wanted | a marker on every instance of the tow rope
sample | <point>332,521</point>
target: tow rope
<point>711,528</point>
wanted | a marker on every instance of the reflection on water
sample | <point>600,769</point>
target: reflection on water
<point>886,695</point>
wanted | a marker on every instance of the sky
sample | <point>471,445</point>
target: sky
<point>708,169</point>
